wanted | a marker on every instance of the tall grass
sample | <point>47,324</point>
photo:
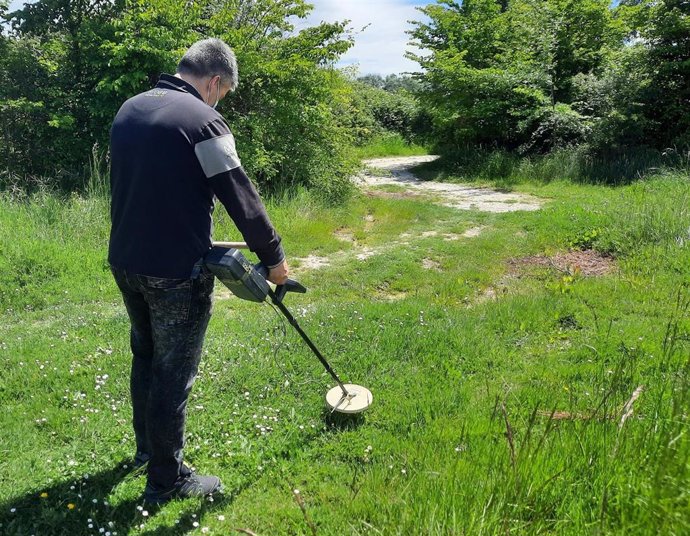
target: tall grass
<point>648,219</point>
<point>391,144</point>
<point>98,176</point>
<point>572,164</point>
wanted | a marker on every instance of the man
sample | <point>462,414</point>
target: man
<point>172,152</point>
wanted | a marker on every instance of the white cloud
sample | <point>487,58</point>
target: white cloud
<point>18,4</point>
<point>380,48</point>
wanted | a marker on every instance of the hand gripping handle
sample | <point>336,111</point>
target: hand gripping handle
<point>289,286</point>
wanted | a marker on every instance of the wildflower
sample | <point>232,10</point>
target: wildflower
<point>204,530</point>
<point>71,506</point>
<point>13,510</point>
<point>295,491</point>
<point>44,495</point>
<point>145,513</point>
<point>195,524</point>
<point>221,517</point>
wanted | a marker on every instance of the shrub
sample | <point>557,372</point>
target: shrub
<point>79,66</point>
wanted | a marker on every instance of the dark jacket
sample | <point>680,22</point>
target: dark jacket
<point>170,155</point>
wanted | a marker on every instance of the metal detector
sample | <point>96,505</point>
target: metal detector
<point>248,282</point>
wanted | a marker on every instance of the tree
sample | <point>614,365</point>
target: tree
<point>501,73</point>
<point>668,38</point>
<point>54,50</point>
<point>73,63</point>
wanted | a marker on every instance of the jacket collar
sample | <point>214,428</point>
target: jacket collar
<point>167,81</point>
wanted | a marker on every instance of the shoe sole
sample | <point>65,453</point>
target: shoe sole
<point>162,500</point>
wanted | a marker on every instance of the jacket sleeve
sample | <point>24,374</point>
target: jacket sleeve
<point>230,184</point>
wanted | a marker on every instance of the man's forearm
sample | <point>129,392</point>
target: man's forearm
<point>240,198</point>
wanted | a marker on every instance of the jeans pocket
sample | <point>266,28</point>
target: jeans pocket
<point>202,302</point>
<point>169,299</point>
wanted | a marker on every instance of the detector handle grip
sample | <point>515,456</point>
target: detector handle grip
<point>289,286</point>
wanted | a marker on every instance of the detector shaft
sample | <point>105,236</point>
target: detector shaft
<point>291,319</point>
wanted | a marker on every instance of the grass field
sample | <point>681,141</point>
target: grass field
<point>511,396</point>
<point>389,145</point>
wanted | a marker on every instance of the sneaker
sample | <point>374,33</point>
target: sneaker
<point>141,459</point>
<point>186,486</point>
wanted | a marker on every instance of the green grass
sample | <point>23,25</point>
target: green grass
<point>459,439</point>
<point>575,164</point>
<point>389,145</point>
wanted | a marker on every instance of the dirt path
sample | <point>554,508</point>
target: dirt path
<point>458,196</point>
<point>381,174</point>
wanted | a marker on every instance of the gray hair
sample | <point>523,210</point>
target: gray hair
<point>210,57</point>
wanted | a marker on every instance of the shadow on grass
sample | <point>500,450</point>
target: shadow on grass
<point>342,421</point>
<point>68,508</point>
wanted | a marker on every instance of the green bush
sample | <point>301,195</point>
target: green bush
<point>555,128</point>
<point>374,113</point>
<point>539,76</point>
<point>71,65</point>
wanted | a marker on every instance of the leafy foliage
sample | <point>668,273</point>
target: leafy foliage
<point>539,75</point>
<point>71,64</point>
<point>668,35</point>
<point>376,112</point>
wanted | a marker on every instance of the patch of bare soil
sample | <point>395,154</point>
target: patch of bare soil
<point>365,253</point>
<point>587,262</point>
<point>473,232</point>
<point>312,262</point>
<point>344,235</point>
<point>430,264</point>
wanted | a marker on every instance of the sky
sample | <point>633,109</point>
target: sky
<point>380,47</point>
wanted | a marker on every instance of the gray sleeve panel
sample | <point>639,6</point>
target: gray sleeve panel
<point>217,155</point>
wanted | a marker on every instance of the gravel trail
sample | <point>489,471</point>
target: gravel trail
<point>458,196</point>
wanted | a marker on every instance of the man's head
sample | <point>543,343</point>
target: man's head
<point>210,66</point>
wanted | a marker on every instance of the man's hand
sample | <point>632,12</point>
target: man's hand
<point>279,274</point>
